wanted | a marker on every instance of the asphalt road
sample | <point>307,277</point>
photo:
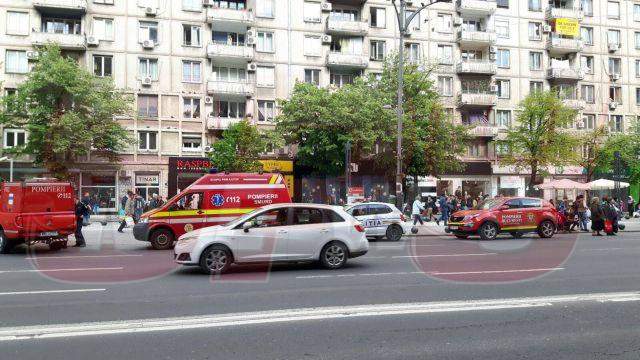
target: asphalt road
<point>429,297</point>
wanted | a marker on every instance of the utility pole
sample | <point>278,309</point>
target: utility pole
<point>617,175</point>
<point>403,29</point>
<point>347,170</point>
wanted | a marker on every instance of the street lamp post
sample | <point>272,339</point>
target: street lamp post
<point>403,27</point>
<point>10,160</point>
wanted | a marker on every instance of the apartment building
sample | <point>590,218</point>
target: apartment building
<point>196,66</point>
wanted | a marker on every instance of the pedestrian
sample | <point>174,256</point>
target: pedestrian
<point>128,210</point>
<point>86,200</point>
<point>630,205</point>
<point>445,207</point>
<point>416,211</point>
<point>95,207</point>
<point>81,211</point>
<point>611,213</point>
<point>138,208</point>
<point>581,209</point>
<point>597,216</point>
<point>123,201</point>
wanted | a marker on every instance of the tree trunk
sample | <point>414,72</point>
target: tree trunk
<point>532,179</point>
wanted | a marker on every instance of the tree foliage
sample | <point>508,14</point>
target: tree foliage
<point>628,145</point>
<point>539,140</point>
<point>593,142</point>
<point>67,112</point>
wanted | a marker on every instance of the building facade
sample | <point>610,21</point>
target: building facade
<point>196,66</point>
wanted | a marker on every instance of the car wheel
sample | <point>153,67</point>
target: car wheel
<point>216,259</point>
<point>516,234</point>
<point>6,245</point>
<point>462,236</point>
<point>161,239</point>
<point>488,231</point>
<point>334,255</point>
<point>394,233</point>
<point>546,229</point>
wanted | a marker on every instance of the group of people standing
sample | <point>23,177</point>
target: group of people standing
<point>439,208</point>
<point>604,214</point>
<point>133,205</point>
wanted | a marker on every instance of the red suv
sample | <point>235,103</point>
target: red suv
<point>516,215</point>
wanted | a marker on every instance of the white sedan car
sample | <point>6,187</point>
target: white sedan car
<point>276,233</point>
<point>380,219</point>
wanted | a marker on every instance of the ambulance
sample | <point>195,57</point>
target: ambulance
<point>214,199</point>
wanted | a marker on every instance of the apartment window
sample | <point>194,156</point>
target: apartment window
<point>17,23</point>
<point>378,17</point>
<point>16,62</point>
<point>312,12</point>
<point>377,51</point>
<point>503,58</point>
<point>613,9</point>
<point>415,23</point>
<point>191,35</point>
<point>503,118</point>
<point>266,110</point>
<point>502,148</point>
<point>229,74</point>
<point>312,76</point>
<point>191,71</point>
<point>61,26</point>
<point>148,106</point>
<point>535,31</point>
<point>614,66</point>
<point>587,122</point>
<point>265,76</point>
<point>229,4</point>
<point>191,142</point>
<point>587,7</point>
<point>504,89</point>
<point>586,64</point>
<point>587,93</point>
<point>228,38</point>
<point>615,94</point>
<point>344,15</point>
<point>637,62</point>
<point>412,51</point>
<point>637,96</point>
<point>503,4</point>
<point>613,37</point>
<point>473,150</point>
<point>586,34</point>
<point>312,45</point>
<point>147,140</point>
<point>148,68</point>
<point>535,86</point>
<point>340,80</point>
<point>264,8</point>
<point>535,60</point>
<point>230,109</point>
<point>636,12</point>
<point>191,108</point>
<point>637,39</point>
<point>616,123</point>
<point>502,28</point>
<point>444,23</point>
<point>192,5</point>
<point>445,54</point>
<point>148,31</point>
<point>445,85</point>
<point>265,41</point>
<point>535,5</point>
<point>102,65</point>
<point>14,138</point>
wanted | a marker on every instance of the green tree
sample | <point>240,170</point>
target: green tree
<point>628,145</point>
<point>67,112</point>
<point>240,148</point>
<point>593,142</point>
<point>538,140</point>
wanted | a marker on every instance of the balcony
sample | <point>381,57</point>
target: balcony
<point>567,13</point>
<point>575,104</point>
<point>476,39</point>
<point>234,88</point>
<point>229,17</point>
<point>68,7</point>
<point>343,27</point>
<point>482,67</point>
<point>476,7</point>
<point>562,46</point>
<point>224,51</point>
<point>351,61</point>
<point>477,100</point>
<point>220,123</point>
<point>570,73</point>
<point>65,41</point>
<point>486,131</point>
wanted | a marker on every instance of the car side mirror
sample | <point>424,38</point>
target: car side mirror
<point>246,226</point>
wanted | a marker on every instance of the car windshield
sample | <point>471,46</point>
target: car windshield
<point>242,218</point>
<point>488,204</point>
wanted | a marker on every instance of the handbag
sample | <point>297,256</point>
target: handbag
<point>608,226</point>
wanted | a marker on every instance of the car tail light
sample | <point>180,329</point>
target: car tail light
<point>403,218</point>
<point>359,228</point>
<point>19,222</point>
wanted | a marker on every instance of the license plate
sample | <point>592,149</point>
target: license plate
<point>453,227</point>
<point>373,223</point>
<point>49,233</point>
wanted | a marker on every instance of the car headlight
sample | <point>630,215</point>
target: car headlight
<point>187,239</point>
<point>470,217</point>
<point>144,220</point>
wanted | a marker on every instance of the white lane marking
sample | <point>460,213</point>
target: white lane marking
<point>403,246</point>
<point>65,331</point>
<point>440,255</point>
<point>609,249</point>
<point>377,257</point>
<point>38,292</point>
<point>80,256</point>
<point>57,270</point>
<point>430,273</point>
<point>494,271</point>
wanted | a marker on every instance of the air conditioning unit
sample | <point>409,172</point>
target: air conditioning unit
<point>93,41</point>
<point>151,11</point>
<point>146,81</point>
<point>615,77</point>
<point>208,100</point>
<point>493,88</point>
<point>613,105</point>
<point>148,44</point>
<point>207,2</point>
<point>613,47</point>
<point>409,3</point>
<point>492,56</point>
<point>250,33</point>
<point>252,67</point>
<point>493,49</point>
<point>208,148</point>
<point>457,21</point>
<point>326,39</point>
<point>546,28</point>
<point>581,124</point>
<point>251,40</point>
<point>32,55</point>
<point>325,6</point>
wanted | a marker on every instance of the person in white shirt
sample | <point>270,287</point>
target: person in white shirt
<point>416,211</point>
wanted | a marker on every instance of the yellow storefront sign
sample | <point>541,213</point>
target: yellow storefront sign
<point>282,166</point>
<point>568,27</point>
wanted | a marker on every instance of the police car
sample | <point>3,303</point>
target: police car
<point>380,220</point>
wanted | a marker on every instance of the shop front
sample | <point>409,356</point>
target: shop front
<point>147,184</point>
<point>101,187</point>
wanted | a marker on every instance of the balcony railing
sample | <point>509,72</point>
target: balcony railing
<point>343,27</point>
<point>477,99</point>
<point>576,104</point>
<point>231,88</point>
<point>568,13</point>
<point>476,67</point>
<point>73,6</point>
<point>221,123</point>
<point>335,59</point>
<point>476,7</point>
<point>570,73</point>
<point>480,38</point>
<point>218,15</point>
<point>483,130</point>
<point>226,51</point>
<point>65,41</point>
<point>560,45</point>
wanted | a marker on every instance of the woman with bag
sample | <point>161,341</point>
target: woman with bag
<point>129,209</point>
<point>597,216</point>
